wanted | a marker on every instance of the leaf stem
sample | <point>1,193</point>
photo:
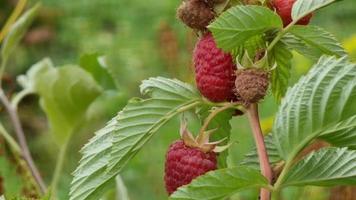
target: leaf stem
<point>19,96</point>
<point>252,113</point>
<point>8,138</point>
<point>58,168</point>
<point>14,15</point>
<point>280,35</point>
<point>213,114</point>
<point>12,111</point>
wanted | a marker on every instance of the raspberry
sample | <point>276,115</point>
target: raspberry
<point>284,9</point>
<point>214,70</point>
<point>251,85</point>
<point>196,14</point>
<point>184,163</point>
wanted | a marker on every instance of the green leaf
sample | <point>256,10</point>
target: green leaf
<point>320,100</point>
<point>113,146</point>
<point>95,64</point>
<point>221,123</point>
<point>281,57</point>
<point>28,81</point>
<point>220,184</point>
<point>326,167</point>
<point>239,23</point>
<point>342,134</point>
<point>318,38</point>
<point>65,94</point>
<point>17,31</point>
<point>294,43</point>
<point>251,159</point>
<point>302,8</point>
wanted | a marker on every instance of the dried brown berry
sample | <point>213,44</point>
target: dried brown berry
<point>251,84</point>
<point>196,14</point>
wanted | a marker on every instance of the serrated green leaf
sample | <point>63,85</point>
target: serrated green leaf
<point>236,25</point>
<point>220,184</point>
<point>281,57</point>
<point>93,63</point>
<point>28,81</point>
<point>326,167</point>
<point>65,94</point>
<point>318,38</point>
<point>294,43</point>
<point>251,159</point>
<point>113,146</point>
<point>17,31</point>
<point>342,134</point>
<point>302,8</point>
<point>321,99</point>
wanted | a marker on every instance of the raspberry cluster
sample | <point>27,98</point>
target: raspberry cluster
<point>218,80</point>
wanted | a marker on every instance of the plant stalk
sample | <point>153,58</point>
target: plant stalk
<point>58,168</point>
<point>252,113</point>
<point>12,111</point>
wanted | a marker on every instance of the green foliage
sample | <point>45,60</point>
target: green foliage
<point>220,184</point>
<point>302,8</point>
<point>326,167</point>
<point>12,183</point>
<point>238,24</point>
<point>65,94</point>
<point>28,81</point>
<point>17,31</point>
<point>281,57</point>
<point>251,159</point>
<point>342,134</point>
<point>322,98</point>
<point>94,64</point>
<point>319,39</point>
<point>113,146</point>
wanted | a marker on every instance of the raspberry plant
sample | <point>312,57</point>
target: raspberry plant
<point>244,53</point>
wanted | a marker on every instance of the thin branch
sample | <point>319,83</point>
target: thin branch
<point>252,113</point>
<point>22,140</point>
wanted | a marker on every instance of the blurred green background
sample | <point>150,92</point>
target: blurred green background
<point>141,39</point>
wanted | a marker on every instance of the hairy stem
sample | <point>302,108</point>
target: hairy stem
<point>58,168</point>
<point>252,113</point>
<point>12,111</point>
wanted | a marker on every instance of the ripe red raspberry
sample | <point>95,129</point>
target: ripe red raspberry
<point>284,10</point>
<point>184,163</point>
<point>214,70</point>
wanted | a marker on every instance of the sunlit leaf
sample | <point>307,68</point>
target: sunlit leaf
<point>239,23</point>
<point>65,94</point>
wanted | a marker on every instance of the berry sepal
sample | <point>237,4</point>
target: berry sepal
<point>201,142</point>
